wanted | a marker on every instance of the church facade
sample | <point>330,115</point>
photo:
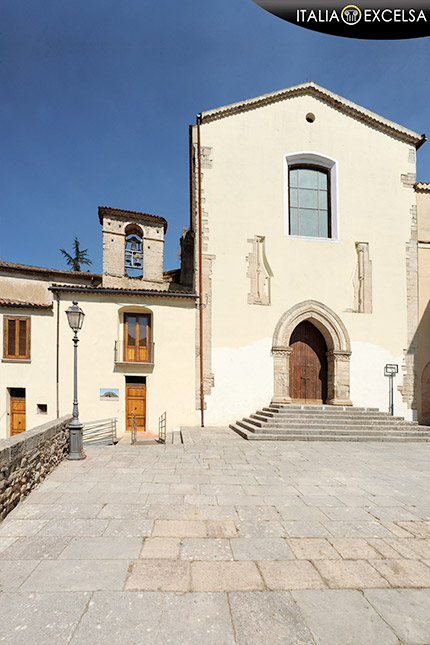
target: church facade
<point>304,271</point>
<point>309,253</point>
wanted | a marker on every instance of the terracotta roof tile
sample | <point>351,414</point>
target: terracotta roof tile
<point>29,268</point>
<point>20,304</point>
<point>170,293</point>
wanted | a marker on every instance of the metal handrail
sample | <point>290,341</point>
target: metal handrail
<point>162,428</point>
<point>100,431</point>
<point>140,355</point>
<point>133,433</point>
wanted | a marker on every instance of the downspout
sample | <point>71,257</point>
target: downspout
<point>199,170</point>
<point>57,366</point>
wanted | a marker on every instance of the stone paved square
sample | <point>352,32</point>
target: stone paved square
<point>128,566</point>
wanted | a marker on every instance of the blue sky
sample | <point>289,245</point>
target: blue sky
<point>97,96</point>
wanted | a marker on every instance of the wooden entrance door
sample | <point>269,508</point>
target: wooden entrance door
<point>17,411</point>
<point>135,401</point>
<point>308,364</point>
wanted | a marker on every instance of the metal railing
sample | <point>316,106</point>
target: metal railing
<point>133,427</point>
<point>162,428</point>
<point>124,353</point>
<point>99,432</point>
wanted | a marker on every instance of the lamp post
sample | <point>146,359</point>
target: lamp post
<point>75,318</point>
<point>390,370</point>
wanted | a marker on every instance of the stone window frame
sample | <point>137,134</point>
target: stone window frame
<point>13,358</point>
<point>326,163</point>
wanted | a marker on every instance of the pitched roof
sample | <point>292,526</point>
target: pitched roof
<point>20,304</point>
<point>86,276</point>
<point>312,89</point>
<point>173,293</point>
<point>135,215</point>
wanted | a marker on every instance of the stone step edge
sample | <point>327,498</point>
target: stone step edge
<point>327,437</point>
<point>256,427</point>
<point>262,421</point>
<point>307,406</point>
<point>321,414</point>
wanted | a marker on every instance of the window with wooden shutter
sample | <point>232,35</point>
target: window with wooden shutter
<point>137,337</point>
<point>16,337</point>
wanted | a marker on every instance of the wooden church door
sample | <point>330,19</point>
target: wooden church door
<point>308,364</point>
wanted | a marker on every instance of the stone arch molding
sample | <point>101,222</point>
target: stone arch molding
<point>338,351</point>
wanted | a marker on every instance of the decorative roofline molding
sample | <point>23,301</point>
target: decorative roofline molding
<point>312,89</point>
<point>423,186</point>
<point>154,220</point>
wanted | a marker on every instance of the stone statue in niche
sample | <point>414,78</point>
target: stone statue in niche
<point>363,280</point>
<point>259,272</point>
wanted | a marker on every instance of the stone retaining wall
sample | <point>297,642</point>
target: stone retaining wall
<point>27,458</point>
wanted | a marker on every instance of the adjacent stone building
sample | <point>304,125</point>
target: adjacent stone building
<point>304,270</point>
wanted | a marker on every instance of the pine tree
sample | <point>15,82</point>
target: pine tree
<point>80,256</point>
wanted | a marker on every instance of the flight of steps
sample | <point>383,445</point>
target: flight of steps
<point>327,423</point>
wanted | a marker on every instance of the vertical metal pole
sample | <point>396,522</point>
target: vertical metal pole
<point>76,450</point>
<point>391,401</point>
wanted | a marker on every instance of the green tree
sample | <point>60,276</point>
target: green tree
<point>79,256</point>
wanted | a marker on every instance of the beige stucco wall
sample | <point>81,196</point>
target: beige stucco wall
<point>37,376</point>
<point>170,382</point>
<point>244,196</point>
<point>25,288</point>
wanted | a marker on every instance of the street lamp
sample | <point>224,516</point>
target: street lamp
<point>75,318</point>
<point>391,370</point>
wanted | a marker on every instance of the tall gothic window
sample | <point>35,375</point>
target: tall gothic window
<point>133,254</point>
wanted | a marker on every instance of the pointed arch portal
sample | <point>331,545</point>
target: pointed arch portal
<point>338,352</point>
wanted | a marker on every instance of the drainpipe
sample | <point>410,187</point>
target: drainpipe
<point>199,170</point>
<point>57,367</point>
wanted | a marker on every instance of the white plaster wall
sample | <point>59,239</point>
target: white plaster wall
<point>243,381</point>
<point>369,386</point>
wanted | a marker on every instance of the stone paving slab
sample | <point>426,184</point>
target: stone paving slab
<point>349,574</point>
<point>222,541</point>
<point>225,576</point>
<point>45,618</point>
<point>77,575</point>
<point>262,618</point>
<point>353,622</point>
<point>291,574</point>
<point>406,611</point>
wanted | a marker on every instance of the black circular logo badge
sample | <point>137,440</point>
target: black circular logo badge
<point>372,19</point>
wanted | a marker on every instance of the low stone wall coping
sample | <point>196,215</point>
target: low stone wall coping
<point>27,458</point>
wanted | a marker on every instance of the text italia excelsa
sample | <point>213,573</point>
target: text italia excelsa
<point>368,15</point>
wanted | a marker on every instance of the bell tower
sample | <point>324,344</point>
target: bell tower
<point>133,245</point>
